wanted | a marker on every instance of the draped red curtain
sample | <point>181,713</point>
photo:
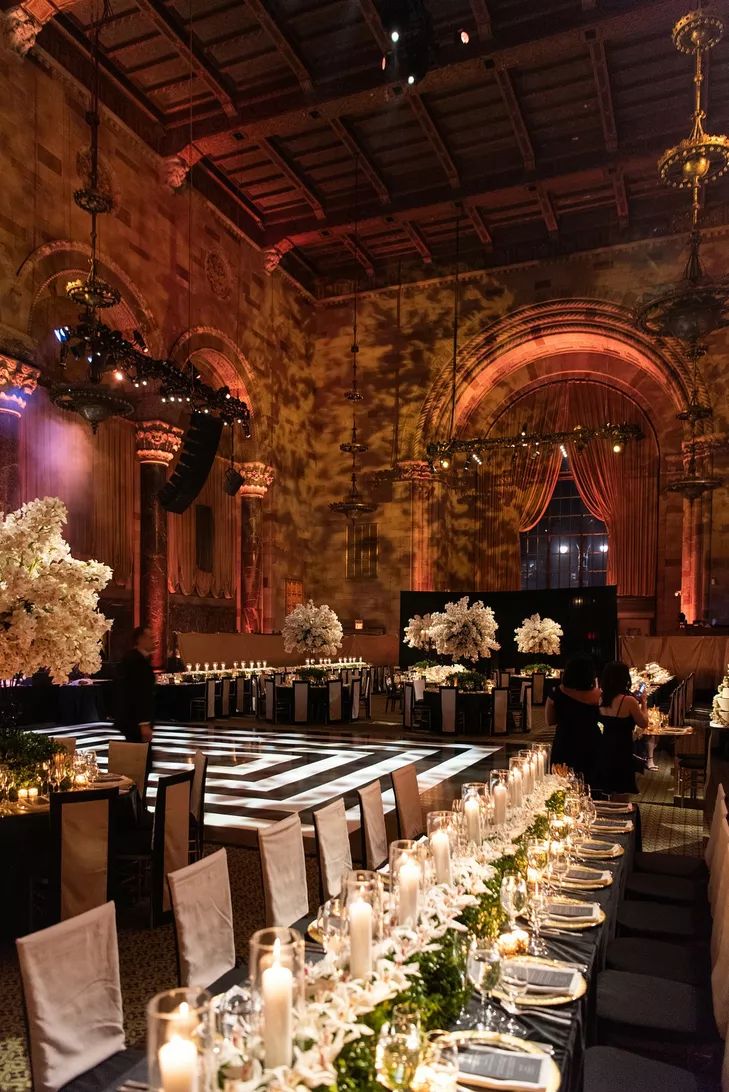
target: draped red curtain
<point>619,489</point>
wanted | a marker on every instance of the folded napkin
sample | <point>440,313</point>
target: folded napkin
<point>594,847</point>
<point>606,807</point>
<point>489,1067</point>
<point>109,777</point>
<point>613,826</point>
<point>574,911</point>
<point>542,978</point>
<point>575,874</point>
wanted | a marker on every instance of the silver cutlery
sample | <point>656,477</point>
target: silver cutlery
<point>546,1047</point>
<point>133,1086</point>
<point>545,1014</point>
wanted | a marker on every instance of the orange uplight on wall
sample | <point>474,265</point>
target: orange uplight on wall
<point>359,623</point>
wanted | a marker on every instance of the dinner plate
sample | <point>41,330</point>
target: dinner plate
<point>501,1041</point>
<point>546,1000</point>
<point>571,924</point>
<point>315,933</point>
<point>587,885</point>
<point>607,849</point>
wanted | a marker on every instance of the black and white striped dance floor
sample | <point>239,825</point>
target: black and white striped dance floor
<point>258,776</point>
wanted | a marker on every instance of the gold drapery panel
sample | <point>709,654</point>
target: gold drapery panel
<point>517,487</point>
<point>183,574</point>
<point>93,475</point>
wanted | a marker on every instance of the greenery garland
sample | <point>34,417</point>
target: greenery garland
<point>439,992</point>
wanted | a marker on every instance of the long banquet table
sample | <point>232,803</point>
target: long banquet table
<point>568,1040</point>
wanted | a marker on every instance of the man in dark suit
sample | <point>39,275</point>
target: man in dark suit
<point>135,689</point>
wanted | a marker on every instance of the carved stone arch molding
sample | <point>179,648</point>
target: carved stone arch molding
<point>64,258</point>
<point>541,331</point>
<point>223,358</point>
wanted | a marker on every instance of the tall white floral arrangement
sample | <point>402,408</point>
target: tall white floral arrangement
<point>463,632</point>
<point>537,634</point>
<point>311,629</point>
<point>49,615</point>
<point>417,632</point>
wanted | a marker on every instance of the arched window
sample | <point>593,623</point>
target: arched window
<point>568,548</point>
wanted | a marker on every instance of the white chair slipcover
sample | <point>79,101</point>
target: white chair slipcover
<point>270,699</point>
<point>501,708</point>
<point>226,697</point>
<point>538,680</point>
<point>407,709</point>
<point>81,822</point>
<point>70,975</point>
<point>374,832</point>
<point>407,801</point>
<point>526,708</point>
<point>333,848</point>
<point>203,915</point>
<point>175,849</point>
<point>301,702</point>
<point>718,815</point>
<point>356,693</point>
<point>419,689</point>
<point>448,709</point>
<point>67,742</point>
<point>334,699</point>
<point>240,695</point>
<point>283,866</point>
<point>129,759</point>
<point>210,699</point>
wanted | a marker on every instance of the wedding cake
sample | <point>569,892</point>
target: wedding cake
<point>720,708</point>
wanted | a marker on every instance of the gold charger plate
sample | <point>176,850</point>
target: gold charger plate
<point>570,923</point>
<point>586,885</point>
<point>545,1000</point>
<point>315,933</point>
<point>615,828</point>
<point>609,850</point>
<point>501,1041</point>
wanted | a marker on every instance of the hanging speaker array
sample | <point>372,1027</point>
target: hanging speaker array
<point>199,448</point>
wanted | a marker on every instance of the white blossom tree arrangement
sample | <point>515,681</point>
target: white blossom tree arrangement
<point>463,632</point>
<point>49,616</point>
<point>313,630</point>
<point>417,632</point>
<point>537,634</point>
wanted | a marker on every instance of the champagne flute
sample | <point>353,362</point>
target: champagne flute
<point>513,896</point>
<point>484,971</point>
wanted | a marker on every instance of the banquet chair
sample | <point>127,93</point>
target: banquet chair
<point>407,708</point>
<point>270,703</point>
<point>504,679</point>
<point>225,699</point>
<point>301,702</point>
<point>210,694</point>
<point>538,681</point>
<point>500,723</point>
<point>372,822</point>
<point>407,802</point>
<point>448,710</point>
<point>419,689</point>
<point>283,868</point>
<point>332,846</point>
<point>132,760</point>
<point>203,917</point>
<point>335,701</point>
<point>367,694</point>
<point>356,698</point>
<point>197,805</point>
<point>67,742</point>
<point>393,695</point>
<point>608,1069</point>
<point>82,851</point>
<point>69,971</point>
<point>526,709</point>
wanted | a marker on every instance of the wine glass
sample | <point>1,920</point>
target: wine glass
<point>514,983</point>
<point>537,911</point>
<point>398,1049</point>
<point>484,971</point>
<point>513,896</point>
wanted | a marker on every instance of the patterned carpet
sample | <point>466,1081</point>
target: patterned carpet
<point>148,956</point>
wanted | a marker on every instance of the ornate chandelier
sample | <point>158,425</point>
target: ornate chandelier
<point>354,504</point>
<point>102,350</point>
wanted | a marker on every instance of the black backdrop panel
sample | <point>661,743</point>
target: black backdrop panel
<point>588,616</point>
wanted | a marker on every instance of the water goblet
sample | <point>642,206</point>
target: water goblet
<point>398,1051</point>
<point>484,972</point>
<point>537,911</point>
<point>514,983</point>
<point>513,896</point>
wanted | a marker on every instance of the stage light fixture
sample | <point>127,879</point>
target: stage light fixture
<point>62,334</point>
<point>564,548</point>
<point>119,376</point>
<point>395,36</point>
<point>464,37</point>
<point>617,447</point>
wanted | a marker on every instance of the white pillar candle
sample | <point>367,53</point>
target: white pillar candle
<point>515,787</point>
<point>408,891</point>
<point>178,1065</point>
<point>360,938</point>
<point>183,1022</point>
<point>528,777</point>
<point>472,813</point>
<point>440,847</point>
<point>499,795</point>
<point>541,765</point>
<point>277,990</point>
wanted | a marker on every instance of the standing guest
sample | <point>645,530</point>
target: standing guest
<point>175,662</point>
<point>135,689</point>
<point>573,711</point>
<point>620,715</point>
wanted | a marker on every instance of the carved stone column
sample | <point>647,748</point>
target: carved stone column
<point>257,478</point>
<point>422,481</point>
<point>17,381</point>
<point>157,443</point>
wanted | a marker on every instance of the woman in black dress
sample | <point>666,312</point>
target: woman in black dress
<point>620,715</point>
<point>573,710</point>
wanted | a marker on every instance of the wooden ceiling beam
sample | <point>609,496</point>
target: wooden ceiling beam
<point>186,45</point>
<point>518,124</point>
<point>617,177</point>
<point>358,253</point>
<point>482,17</point>
<point>355,149</point>
<point>371,16</point>
<point>545,207</point>
<point>486,193</point>
<point>293,176</point>
<point>479,225</point>
<point>282,43</point>
<point>601,75</point>
<point>417,238</point>
<point>435,139</point>
<point>462,66</point>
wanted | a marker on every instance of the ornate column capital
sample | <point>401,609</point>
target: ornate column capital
<point>19,30</point>
<point>157,442</point>
<point>415,470</point>
<point>257,477</point>
<point>17,379</point>
<point>273,255</point>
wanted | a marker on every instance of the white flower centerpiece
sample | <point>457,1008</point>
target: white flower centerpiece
<point>49,616</point>
<point>463,632</point>
<point>539,635</point>
<point>653,675</point>
<point>313,630</point>
<point>417,632</point>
